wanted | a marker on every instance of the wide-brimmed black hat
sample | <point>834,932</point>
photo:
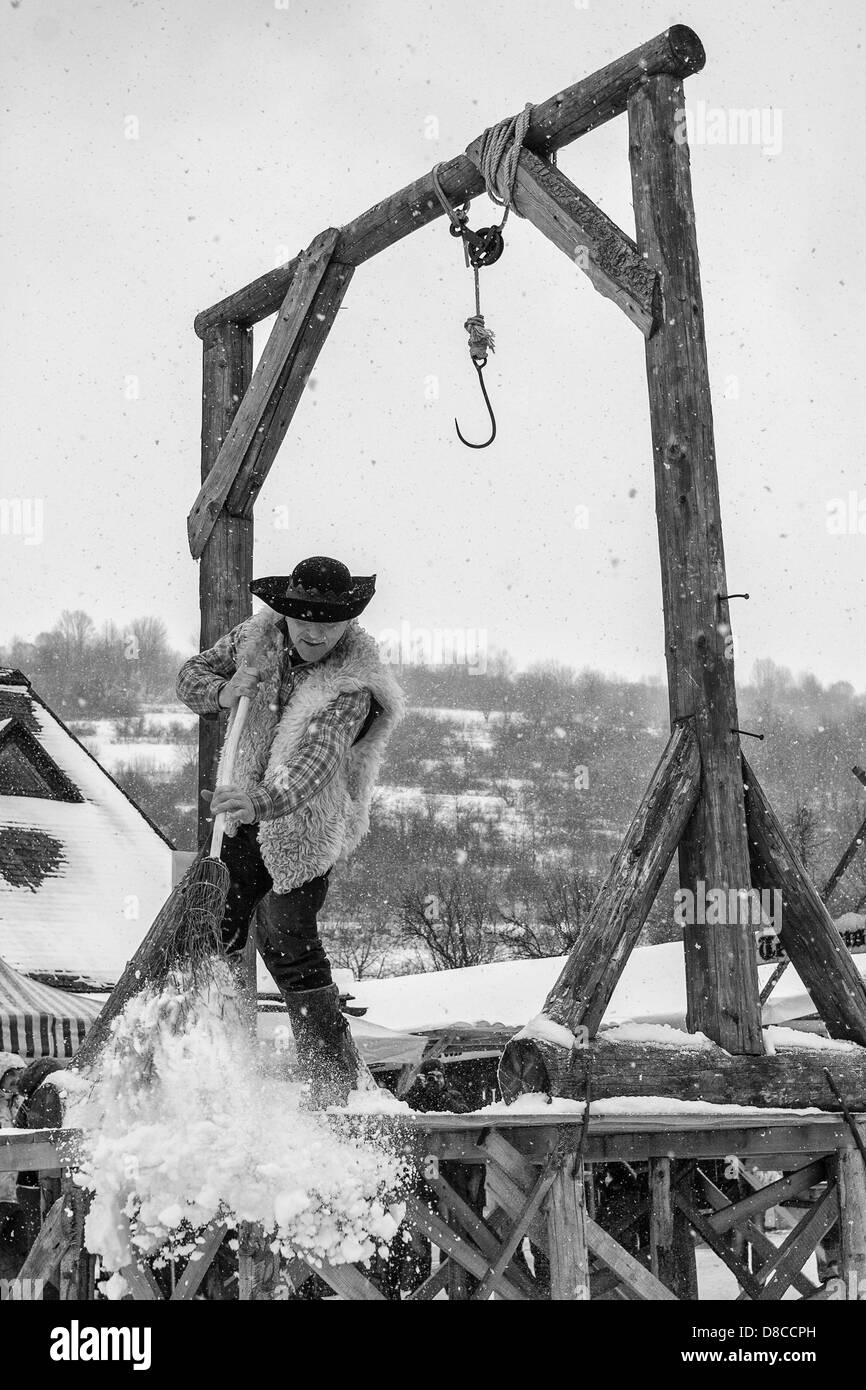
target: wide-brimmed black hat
<point>319,589</point>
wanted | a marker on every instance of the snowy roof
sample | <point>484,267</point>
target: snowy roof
<point>83,871</point>
<point>651,989</point>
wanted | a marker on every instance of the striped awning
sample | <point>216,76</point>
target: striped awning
<point>39,1021</point>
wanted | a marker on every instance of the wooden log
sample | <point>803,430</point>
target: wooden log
<point>250,443</point>
<point>721,973</point>
<point>851,1181</point>
<point>227,560</point>
<point>586,235</point>
<point>808,933</point>
<point>789,1080</point>
<point>566,1227</point>
<point>589,977</point>
<point>554,123</point>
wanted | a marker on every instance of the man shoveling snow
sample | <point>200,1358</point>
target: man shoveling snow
<point>323,708</point>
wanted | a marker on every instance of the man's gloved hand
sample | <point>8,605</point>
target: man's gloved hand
<point>232,801</point>
<point>244,682</point>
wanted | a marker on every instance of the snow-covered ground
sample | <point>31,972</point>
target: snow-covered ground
<point>651,990</point>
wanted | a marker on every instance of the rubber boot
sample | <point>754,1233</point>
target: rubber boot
<point>327,1056</point>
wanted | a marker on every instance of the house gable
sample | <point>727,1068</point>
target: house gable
<point>27,770</point>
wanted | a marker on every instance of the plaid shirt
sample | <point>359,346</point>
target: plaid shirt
<point>323,747</point>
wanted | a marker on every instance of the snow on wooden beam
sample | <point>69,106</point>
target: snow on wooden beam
<point>791,1079</point>
<point>592,242</point>
<point>808,933</point>
<point>554,123</point>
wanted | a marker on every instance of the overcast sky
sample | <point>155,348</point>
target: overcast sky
<point>258,124</point>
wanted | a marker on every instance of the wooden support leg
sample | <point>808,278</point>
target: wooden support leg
<point>566,1227</point>
<point>460,1285</point>
<point>584,988</point>
<point>851,1179</point>
<point>256,1264</point>
<point>817,951</point>
<point>77,1266</point>
<point>227,560</point>
<point>661,1221</point>
<point>721,971</point>
<point>672,1249</point>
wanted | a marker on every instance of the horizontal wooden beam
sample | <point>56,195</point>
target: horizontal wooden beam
<point>553,124</point>
<point>789,1080</point>
<point>587,236</point>
<point>808,933</point>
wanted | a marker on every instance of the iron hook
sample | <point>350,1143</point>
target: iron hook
<point>479,367</point>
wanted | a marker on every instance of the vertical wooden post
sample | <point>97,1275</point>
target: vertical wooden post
<point>851,1179</point>
<point>661,1218</point>
<point>226,563</point>
<point>566,1234</point>
<point>721,972</point>
<point>672,1251</point>
<point>77,1265</point>
<point>460,1284</point>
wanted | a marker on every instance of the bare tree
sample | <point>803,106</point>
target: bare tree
<point>803,828</point>
<point>454,916</point>
<point>548,921</point>
<point>357,946</point>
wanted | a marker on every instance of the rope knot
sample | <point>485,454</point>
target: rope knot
<point>481,340</point>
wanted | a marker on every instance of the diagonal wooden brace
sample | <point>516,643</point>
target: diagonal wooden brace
<point>589,977</point>
<point>259,427</point>
<point>808,933</point>
<point>592,242</point>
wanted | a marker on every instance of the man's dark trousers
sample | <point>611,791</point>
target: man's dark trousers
<point>288,937</point>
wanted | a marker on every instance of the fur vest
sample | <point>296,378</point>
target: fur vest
<point>332,822</point>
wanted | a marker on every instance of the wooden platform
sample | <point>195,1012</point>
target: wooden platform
<point>529,1205</point>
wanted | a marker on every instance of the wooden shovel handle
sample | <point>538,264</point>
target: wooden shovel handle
<point>229,755</point>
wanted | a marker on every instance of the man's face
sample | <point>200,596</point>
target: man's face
<point>9,1084</point>
<point>312,640</point>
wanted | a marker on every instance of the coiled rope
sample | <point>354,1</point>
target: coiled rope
<point>499,156</point>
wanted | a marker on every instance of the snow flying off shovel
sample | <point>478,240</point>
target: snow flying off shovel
<point>185,934</point>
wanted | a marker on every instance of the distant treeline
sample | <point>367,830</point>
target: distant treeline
<point>491,834</point>
<point>85,672</point>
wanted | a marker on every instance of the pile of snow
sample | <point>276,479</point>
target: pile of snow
<point>184,1125</point>
<point>657,1033</point>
